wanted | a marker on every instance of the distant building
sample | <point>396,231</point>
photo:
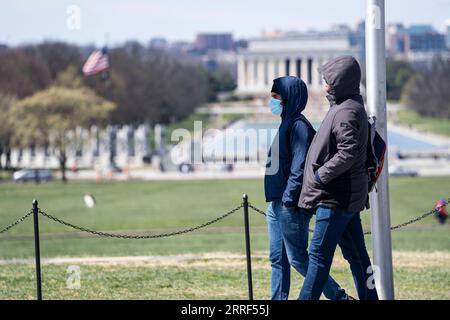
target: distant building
<point>417,43</point>
<point>447,34</point>
<point>240,44</point>
<point>214,41</point>
<point>219,60</point>
<point>158,43</point>
<point>423,38</point>
<point>298,54</point>
<point>358,39</point>
<point>395,39</point>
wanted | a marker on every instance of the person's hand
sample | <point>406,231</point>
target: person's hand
<point>317,178</point>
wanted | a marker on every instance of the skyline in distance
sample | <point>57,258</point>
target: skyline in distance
<point>115,22</point>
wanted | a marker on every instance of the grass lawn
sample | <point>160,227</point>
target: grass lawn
<point>435,125</point>
<point>153,206</point>
<point>203,279</point>
<point>156,206</point>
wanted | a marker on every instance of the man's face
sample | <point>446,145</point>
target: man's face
<point>277,96</point>
<point>327,87</point>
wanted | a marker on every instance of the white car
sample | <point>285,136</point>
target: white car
<point>37,175</point>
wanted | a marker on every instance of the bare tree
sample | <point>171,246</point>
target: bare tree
<point>427,92</point>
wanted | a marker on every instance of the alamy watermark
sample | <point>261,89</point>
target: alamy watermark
<point>374,17</point>
<point>235,144</point>
<point>73,281</point>
<point>374,278</point>
<point>73,20</point>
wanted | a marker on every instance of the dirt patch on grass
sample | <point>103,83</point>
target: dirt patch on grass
<point>231,260</point>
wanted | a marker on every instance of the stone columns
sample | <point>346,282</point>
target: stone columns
<point>260,79</point>
<point>315,73</point>
<point>281,67</point>
<point>291,66</point>
<point>304,69</point>
<point>241,73</point>
<point>271,71</point>
<point>250,76</point>
<point>319,63</point>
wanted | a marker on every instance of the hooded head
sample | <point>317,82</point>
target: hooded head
<point>294,94</point>
<point>343,74</point>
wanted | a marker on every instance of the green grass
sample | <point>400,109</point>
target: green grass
<point>155,206</point>
<point>435,125</point>
<point>234,116</point>
<point>188,124</point>
<point>141,282</point>
<point>6,175</point>
<point>136,206</point>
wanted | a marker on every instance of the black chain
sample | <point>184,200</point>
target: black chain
<point>404,224</point>
<point>15,223</point>
<point>256,209</point>
<point>179,232</point>
<point>151,236</point>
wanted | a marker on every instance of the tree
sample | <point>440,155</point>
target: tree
<point>6,128</point>
<point>48,116</point>
<point>57,56</point>
<point>147,85</point>
<point>21,74</point>
<point>220,81</point>
<point>427,92</point>
<point>150,86</point>
<point>397,75</point>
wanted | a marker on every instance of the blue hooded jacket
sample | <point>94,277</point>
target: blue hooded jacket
<point>286,159</point>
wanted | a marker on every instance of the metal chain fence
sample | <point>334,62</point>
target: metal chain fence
<point>15,223</point>
<point>184,231</point>
<point>245,205</point>
<point>401,225</point>
<point>151,236</point>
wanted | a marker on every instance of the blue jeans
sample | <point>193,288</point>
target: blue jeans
<point>333,227</point>
<point>288,242</point>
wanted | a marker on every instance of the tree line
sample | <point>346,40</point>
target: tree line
<point>423,89</point>
<point>43,94</point>
<point>146,84</point>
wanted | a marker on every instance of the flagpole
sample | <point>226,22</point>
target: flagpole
<point>107,34</point>
<point>376,101</point>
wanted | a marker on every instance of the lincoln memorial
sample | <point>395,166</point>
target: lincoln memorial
<point>295,54</point>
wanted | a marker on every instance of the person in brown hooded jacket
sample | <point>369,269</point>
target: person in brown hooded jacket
<point>335,183</point>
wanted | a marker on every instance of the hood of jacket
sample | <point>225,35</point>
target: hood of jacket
<point>344,75</point>
<point>294,93</point>
<point>287,152</point>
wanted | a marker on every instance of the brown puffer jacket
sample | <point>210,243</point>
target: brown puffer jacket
<point>335,169</point>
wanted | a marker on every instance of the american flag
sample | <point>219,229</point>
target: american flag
<point>97,62</point>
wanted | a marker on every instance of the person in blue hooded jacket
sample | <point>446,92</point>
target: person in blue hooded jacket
<point>287,223</point>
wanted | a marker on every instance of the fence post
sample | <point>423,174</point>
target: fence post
<point>247,247</point>
<point>37,250</point>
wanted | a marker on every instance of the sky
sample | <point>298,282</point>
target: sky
<point>116,21</point>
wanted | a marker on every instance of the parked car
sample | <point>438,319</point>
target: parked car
<point>397,171</point>
<point>186,168</point>
<point>37,175</point>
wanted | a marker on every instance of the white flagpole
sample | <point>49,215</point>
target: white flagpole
<point>376,101</point>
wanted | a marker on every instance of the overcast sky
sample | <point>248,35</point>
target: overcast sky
<point>24,21</point>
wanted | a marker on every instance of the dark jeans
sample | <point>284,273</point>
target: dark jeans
<point>288,241</point>
<point>333,227</point>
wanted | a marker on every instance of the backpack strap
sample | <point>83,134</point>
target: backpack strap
<point>303,118</point>
<point>372,131</point>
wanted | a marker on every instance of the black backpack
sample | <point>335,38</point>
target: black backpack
<point>376,151</point>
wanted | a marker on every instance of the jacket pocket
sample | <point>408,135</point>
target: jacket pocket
<point>316,183</point>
